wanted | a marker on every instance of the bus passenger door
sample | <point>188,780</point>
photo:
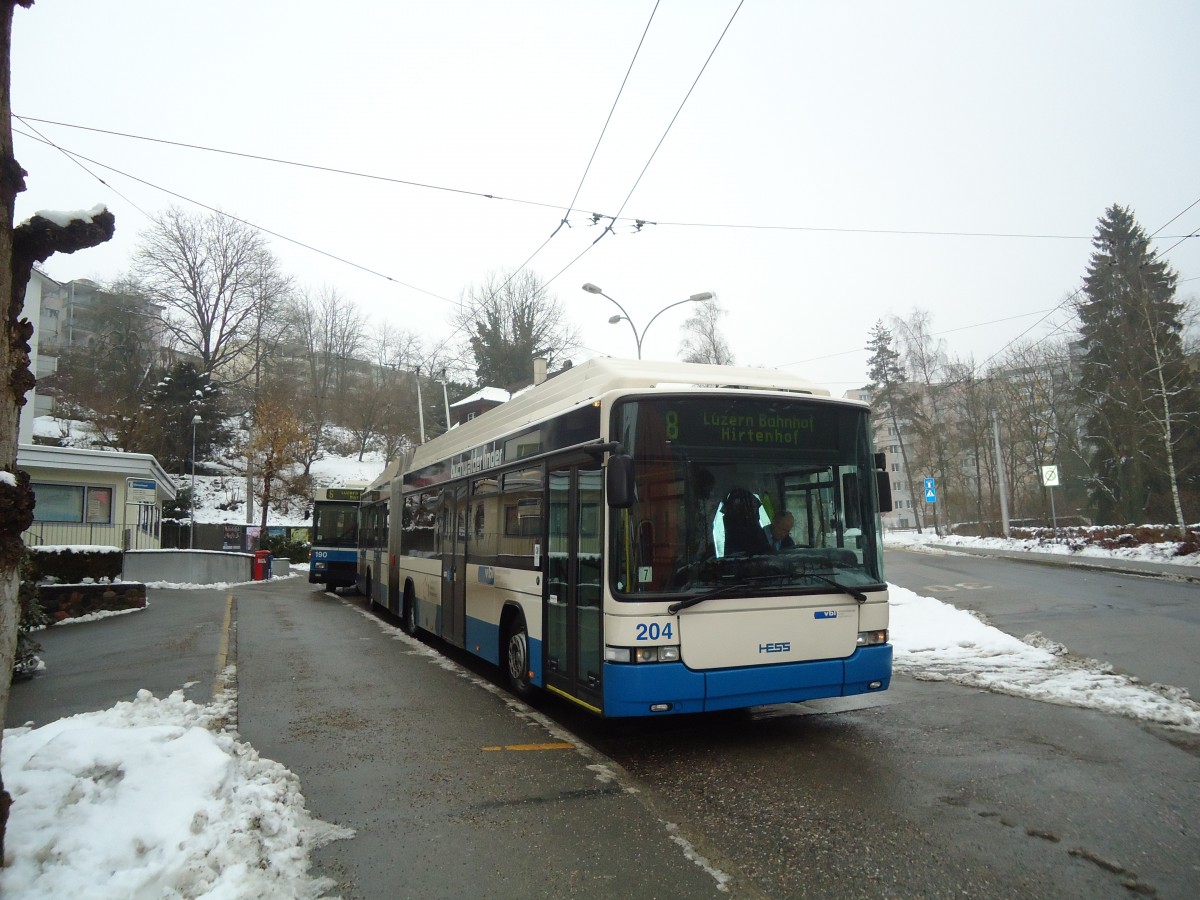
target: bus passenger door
<point>453,550</point>
<point>573,639</point>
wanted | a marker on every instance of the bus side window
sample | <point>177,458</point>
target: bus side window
<point>521,502</point>
<point>485,513</point>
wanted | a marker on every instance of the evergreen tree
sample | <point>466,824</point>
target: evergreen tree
<point>172,403</point>
<point>511,321</point>
<point>1134,381</point>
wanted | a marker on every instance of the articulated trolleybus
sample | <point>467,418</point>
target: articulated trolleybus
<point>647,538</point>
<point>333,557</point>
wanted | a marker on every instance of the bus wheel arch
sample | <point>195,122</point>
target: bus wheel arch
<point>408,609</point>
<point>393,594</point>
<point>514,651</point>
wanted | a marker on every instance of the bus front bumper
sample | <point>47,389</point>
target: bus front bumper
<point>650,689</point>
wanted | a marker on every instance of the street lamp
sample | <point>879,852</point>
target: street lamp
<point>196,420</point>
<point>638,338</point>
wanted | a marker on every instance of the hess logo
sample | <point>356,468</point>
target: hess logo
<point>779,647</point>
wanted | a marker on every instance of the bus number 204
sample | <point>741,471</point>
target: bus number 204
<point>652,631</point>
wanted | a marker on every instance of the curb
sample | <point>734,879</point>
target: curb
<point>1118,566</point>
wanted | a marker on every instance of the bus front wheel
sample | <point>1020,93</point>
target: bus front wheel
<point>517,657</point>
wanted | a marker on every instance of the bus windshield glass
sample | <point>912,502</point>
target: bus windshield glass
<point>335,524</point>
<point>769,495</point>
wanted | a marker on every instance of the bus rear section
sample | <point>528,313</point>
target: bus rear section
<point>333,557</point>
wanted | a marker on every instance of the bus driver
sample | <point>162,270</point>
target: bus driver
<point>779,531</point>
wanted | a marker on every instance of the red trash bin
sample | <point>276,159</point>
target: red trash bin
<point>261,570</point>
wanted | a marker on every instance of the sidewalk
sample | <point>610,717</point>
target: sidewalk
<point>1080,561</point>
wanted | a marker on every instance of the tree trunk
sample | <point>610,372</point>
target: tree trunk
<point>20,248</point>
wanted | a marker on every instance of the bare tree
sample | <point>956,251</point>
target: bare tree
<point>218,283</point>
<point>278,447</point>
<point>33,241</point>
<point>329,330</point>
<point>703,341</point>
<point>381,407</point>
<point>925,359</point>
<point>890,396</point>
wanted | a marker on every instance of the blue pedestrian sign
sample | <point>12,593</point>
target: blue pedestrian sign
<point>930,491</point>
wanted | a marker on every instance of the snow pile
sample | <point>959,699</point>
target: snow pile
<point>1164,552</point>
<point>147,799</point>
<point>63,218</point>
<point>934,641</point>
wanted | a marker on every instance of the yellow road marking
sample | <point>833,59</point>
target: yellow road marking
<point>558,746</point>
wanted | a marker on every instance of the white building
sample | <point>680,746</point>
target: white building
<point>85,496</point>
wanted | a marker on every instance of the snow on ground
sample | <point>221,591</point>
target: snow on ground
<point>159,794</point>
<point>220,498</point>
<point>152,799</point>
<point>1164,553</point>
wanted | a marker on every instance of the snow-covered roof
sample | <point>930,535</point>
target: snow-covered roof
<point>108,462</point>
<point>491,394</point>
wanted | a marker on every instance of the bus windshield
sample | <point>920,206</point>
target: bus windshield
<point>774,495</point>
<point>335,524</point>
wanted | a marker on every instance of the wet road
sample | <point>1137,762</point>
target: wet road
<point>455,789</point>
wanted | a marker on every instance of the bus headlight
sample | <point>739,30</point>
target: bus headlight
<point>669,653</point>
<point>872,638</point>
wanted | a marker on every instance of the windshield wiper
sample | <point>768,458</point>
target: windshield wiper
<point>700,598</point>
<point>722,590</point>
<point>845,589</point>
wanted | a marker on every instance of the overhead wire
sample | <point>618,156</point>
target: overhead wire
<point>671,124</point>
<point>72,159</point>
<point>635,221</point>
<point>77,157</point>
<point>1048,313</point>
<point>564,221</point>
<point>221,212</point>
<point>1071,297</point>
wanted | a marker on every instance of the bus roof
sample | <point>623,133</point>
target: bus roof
<point>588,381</point>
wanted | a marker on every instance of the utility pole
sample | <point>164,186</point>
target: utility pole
<point>1000,474</point>
<point>420,406</point>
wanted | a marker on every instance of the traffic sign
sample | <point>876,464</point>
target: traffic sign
<point>929,485</point>
<point>1050,476</point>
<point>930,494</point>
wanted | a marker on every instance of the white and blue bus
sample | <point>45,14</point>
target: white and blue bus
<point>648,538</point>
<point>333,557</point>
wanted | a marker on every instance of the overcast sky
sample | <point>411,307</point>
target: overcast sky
<point>821,129</point>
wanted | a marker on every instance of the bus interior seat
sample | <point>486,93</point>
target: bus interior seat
<point>743,531</point>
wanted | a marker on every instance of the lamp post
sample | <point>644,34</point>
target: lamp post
<point>638,338</point>
<point>196,420</point>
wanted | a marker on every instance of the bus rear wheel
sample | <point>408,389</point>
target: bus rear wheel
<point>517,657</point>
<point>408,615</point>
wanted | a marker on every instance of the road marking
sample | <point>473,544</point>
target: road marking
<point>605,769</point>
<point>960,586</point>
<point>558,746</point>
<point>219,683</point>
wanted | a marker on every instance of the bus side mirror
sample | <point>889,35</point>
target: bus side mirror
<point>618,480</point>
<point>883,487</point>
